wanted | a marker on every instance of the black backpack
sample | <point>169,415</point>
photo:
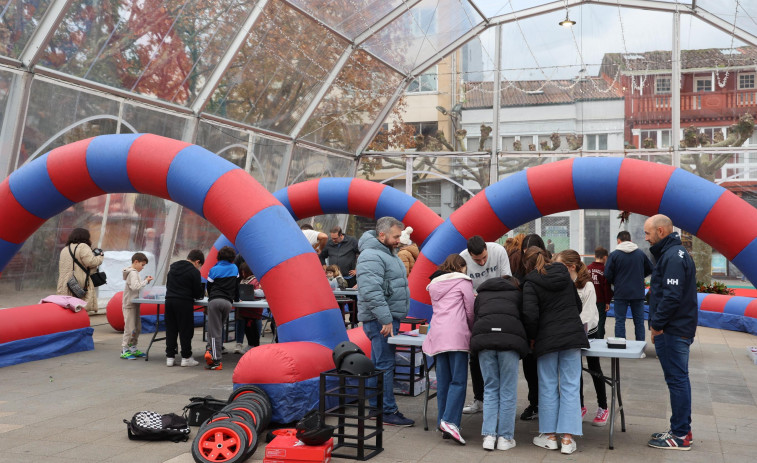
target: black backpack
<point>202,408</point>
<point>148,425</point>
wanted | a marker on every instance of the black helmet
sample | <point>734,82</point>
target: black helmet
<point>357,364</point>
<point>342,350</point>
<point>312,431</point>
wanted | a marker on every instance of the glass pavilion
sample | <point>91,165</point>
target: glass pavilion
<point>293,90</point>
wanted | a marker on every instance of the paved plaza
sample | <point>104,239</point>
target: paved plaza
<point>70,409</point>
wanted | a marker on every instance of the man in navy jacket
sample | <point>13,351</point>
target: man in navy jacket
<point>625,269</point>
<point>673,316</point>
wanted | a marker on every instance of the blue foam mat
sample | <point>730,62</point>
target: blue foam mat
<point>46,346</point>
<point>148,322</point>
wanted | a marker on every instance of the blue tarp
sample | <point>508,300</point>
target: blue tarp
<point>148,322</point>
<point>46,346</point>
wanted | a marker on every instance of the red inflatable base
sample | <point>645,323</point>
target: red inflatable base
<point>30,321</point>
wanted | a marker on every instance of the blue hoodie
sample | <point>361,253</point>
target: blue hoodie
<point>625,269</point>
<point>673,290</point>
<point>383,294</point>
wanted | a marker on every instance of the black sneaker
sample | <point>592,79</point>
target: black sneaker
<point>215,366</point>
<point>398,419</point>
<point>530,413</point>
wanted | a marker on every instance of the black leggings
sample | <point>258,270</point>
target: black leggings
<point>597,379</point>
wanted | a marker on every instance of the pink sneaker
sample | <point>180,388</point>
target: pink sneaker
<point>601,418</point>
<point>583,411</point>
<point>453,431</point>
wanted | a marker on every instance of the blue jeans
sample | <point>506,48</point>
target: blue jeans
<point>637,311</point>
<point>451,384</point>
<point>559,383</point>
<point>382,354</point>
<point>500,371</point>
<point>673,353</point>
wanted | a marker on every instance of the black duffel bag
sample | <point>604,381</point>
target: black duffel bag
<point>202,408</point>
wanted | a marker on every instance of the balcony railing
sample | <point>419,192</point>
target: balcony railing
<point>694,105</point>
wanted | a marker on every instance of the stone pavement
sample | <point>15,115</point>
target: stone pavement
<point>70,409</point>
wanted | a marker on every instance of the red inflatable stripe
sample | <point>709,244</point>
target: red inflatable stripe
<point>418,280</point>
<point>714,303</point>
<point>363,197</point>
<point>230,217</point>
<point>293,293</point>
<point>423,220</point>
<point>551,187</point>
<point>67,168</point>
<point>150,157</point>
<point>303,197</point>
<point>17,223</point>
<point>38,320</point>
<point>726,209</point>
<point>288,362</point>
<point>642,196</point>
<point>478,218</point>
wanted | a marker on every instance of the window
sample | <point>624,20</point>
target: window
<point>596,142</point>
<point>662,85</point>
<point>429,193</point>
<point>703,84</point>
<point>746,81</point>
<point>426,82</point>
<point>427,129</point>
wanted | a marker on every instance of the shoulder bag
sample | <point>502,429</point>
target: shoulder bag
<point>73,283</point>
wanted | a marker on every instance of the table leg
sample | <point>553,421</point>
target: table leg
<point>154,334</point>
<point>620,399</point>
<point>613,384</point>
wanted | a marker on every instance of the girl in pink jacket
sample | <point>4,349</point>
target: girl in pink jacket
<point>448,340</point>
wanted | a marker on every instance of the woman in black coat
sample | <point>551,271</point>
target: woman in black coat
<point>552,318</point>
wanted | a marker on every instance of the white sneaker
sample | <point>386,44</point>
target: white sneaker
<point>170,361</point>
<point>489,442</point>
<point>238,349</point>
<point>567,449</point>
<point>476,406</point>
<point>547,441</point>
<point>189,362</point>
<point>505,444</point>
<point>453,431</point>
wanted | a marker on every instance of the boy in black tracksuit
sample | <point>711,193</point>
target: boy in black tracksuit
<point>183,286</point>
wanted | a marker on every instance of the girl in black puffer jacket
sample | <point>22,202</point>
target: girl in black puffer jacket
<point>500,340</point>
<point>552,318</point>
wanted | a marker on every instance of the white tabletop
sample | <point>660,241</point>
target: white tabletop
<point>599,348</point>
<point>345,292</point>
<point>406,340</point>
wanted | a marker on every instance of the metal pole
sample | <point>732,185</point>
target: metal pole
<point>675,89</point>
<point>493,170</point>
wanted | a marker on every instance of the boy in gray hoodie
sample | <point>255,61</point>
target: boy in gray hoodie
<point>132,322</point>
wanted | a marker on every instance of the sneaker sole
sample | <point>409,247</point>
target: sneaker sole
<point>398,425</point>
<point>665,447</point>
<point>548,446</point>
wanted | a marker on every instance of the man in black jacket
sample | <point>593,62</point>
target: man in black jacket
<point>625,269</point>
<point>342,250</point>
<point>673,316</point>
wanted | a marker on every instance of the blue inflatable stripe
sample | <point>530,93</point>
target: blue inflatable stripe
<point>333,195</point>
<point>193,171</point>
<point>595,182</point>
<point>291,400</point>
<point>700,298</point>
<point>325,328</point>
<point>46,346</point>
<point>106,162</point>
<point>688,199</point>
<point>737,305</point>
<point>745,260</point>
<point>269,238</point>
<point>511,200</point>
<point>393,203</point>
<point>223,241</point>
<point>283,196</point>
<point>33,189</point>
<point>7,251</point>
<point>448,241</point>
<point>420,310</point>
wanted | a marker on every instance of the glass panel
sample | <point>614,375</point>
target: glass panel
<point>446,183</point>
<point>349,17</point>
<point>138,119</point>
<point>267,156</point>
<point>60,115</point>
<point>18,21</point>
<point>6,83</point>
<point>194,233</point>
<point>160,48</point>
<point>423,31</point>
<point>347,111</point>
<point>230,144</point>
<point>276,74</point>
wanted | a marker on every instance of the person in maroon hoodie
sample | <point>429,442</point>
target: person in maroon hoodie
<point>602,287</point>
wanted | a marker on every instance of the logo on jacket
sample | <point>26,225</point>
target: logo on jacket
<point>680,253</point>
<point>672,281</point>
